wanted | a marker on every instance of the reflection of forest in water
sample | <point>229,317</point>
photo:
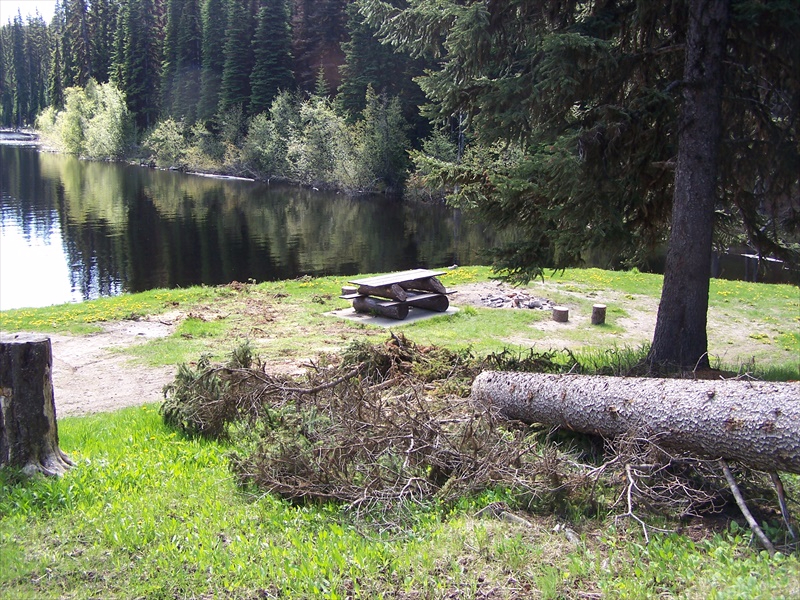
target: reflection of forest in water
<point>127,228</point>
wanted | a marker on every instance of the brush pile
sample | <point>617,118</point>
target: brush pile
<point>385,424</point>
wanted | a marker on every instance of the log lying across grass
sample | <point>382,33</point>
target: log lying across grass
<point>754,423</point>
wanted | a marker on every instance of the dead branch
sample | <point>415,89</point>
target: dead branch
<point>737,494</point>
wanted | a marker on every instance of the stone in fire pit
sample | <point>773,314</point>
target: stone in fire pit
<point>515,299</point>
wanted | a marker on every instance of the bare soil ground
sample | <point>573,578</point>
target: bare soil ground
<point>91,375</point>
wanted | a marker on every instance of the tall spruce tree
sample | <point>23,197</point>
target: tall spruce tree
<point>388,71</point>
<point>235,90</point>
<point>55,84</point>
<point>102,25</point>
<point>20,69</point>
<point>37,47</point>
<point>137,58</point>
<point>618,109</point>
<point>80,43</point>
<point>272,54</point>
<point>182,56</point>
<point>214,15</point>
<point>189,58</point>
<point>6,86</point>
<point>169,65</point>
<point>318,30</point>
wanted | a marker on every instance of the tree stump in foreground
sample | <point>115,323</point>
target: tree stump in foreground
<point>28,430</point>
<point>756,423</point>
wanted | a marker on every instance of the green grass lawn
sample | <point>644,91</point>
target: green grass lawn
<point>752,327</point>
<point>148,513</point>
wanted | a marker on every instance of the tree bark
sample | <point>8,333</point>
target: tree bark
<point>395,292</point>
<point>427,284</point>
<point>437,303</point>
<point>680,338</point>
<point>754,423</point>
<point>393,310</point>
<point>28,429</point>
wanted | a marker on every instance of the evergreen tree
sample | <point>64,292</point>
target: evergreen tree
<point>80,43</point>
<point>6,85</point>
<point>318,30</point>
<point>368,62</point>
<point>55,84</point>
<point>235,90</point>
<point>169,65</point>
<point>138,58</point>
<point>68,66</point>
<point>615,108</point>
<point>102,24</point>
<point>214,16</point>
<point>37,47</point>
<point>384,143</point>
<point>189,60</point>
<point>272,69</point>
<point>21,73</point>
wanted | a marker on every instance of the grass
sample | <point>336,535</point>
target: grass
<point>752,327</point>
<point>147,513</point>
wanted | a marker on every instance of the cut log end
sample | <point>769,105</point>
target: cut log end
<point>560,314</point>
<point>598,314</point>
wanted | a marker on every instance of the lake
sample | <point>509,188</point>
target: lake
<point>72,230</point>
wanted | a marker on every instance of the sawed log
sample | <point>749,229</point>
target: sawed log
<point>393,310</point>
<point>753,422</point>
<point>426,284</point>
<point>394,291</point>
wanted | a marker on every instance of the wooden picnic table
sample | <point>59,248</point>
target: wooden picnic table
<point>392,294</point>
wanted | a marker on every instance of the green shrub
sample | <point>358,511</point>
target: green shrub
<point>167,143</point>
<point>95,122</point>
<point>107,132</point>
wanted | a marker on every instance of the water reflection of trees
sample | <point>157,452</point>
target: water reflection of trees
<point>127,228</point>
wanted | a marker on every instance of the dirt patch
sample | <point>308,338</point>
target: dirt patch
<point>91,375</point>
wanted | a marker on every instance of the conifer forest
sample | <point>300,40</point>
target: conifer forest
<point>617,126</point>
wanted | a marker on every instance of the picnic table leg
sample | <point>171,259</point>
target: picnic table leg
<point>393,310</point>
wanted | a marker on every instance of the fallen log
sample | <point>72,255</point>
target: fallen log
<point>754,423</point>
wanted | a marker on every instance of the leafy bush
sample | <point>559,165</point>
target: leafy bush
<point>95,122</point>
<point>108,132</point>
<point>168,144</point>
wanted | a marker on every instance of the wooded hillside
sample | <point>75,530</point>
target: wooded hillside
<point>192,59</point>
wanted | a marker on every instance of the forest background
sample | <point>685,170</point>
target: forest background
<point>599,126</point>
<point>300,91</point>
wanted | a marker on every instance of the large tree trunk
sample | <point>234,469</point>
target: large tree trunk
<point>680,334</point>
<point>28,430</point>
<point>754,423</point>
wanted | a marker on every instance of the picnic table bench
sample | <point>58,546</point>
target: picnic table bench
<point>391,295</point>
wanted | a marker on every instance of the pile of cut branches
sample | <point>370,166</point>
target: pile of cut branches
<point>393,422</point>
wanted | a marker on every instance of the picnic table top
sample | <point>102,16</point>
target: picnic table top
<point>401,277</point>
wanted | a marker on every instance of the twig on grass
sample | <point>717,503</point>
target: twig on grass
<point>737,494</point>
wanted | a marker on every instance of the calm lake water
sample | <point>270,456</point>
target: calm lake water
<point>72,230</point>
